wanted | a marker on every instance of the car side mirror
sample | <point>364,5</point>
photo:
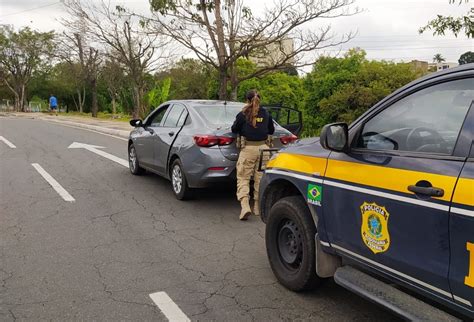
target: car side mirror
<point>335,137</point>
<point>136,123</point>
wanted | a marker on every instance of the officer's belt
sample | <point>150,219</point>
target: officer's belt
<point>255,143</point>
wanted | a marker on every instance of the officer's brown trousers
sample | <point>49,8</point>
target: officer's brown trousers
<point>247,166</point>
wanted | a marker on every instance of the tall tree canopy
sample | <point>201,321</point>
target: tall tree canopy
<point>341,89</point>
<point>220,32</point>
<point>124,38</point>
<point>22,53</point>
<point>466,58</point>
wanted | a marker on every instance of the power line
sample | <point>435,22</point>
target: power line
<point>407,48</point>
<point>31,9</point>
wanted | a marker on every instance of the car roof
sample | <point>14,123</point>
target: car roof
<point>197,102</point>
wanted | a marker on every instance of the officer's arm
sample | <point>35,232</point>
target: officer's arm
<point>237,126</point>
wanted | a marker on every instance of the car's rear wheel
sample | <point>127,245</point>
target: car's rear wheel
<point>133,163</point>
<point>289,238</point>
<point>179,182</point>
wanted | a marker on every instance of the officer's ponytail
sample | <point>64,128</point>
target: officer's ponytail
<point>252,107</point>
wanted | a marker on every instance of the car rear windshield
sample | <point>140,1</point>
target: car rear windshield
<point>219,114</point>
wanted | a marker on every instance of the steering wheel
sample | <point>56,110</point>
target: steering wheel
<point>415,141</point>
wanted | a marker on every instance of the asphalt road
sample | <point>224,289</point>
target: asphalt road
<point>125,237</point>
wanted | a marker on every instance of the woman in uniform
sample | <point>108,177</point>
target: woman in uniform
<point>254,124</point>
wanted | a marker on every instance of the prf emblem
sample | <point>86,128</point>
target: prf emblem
<point>374,228</point>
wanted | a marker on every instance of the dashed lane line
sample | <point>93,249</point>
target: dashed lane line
<point>11,145</point>
<point>168,307</point>
<point>56,186</point>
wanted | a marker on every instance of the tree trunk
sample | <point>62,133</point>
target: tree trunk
<point>223,84</point>
<point>136,107</point>
<point>114,110</point>
<point>17,101</point>
<point>95,107</point>
<point>233,82</point>
<point>22,98</point>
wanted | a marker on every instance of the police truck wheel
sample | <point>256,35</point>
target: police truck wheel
<point>289,237</point>
<point>133,161</point>
<point>178,181</point>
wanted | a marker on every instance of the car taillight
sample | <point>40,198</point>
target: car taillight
<point>287,139</point>
<point>211,140</point>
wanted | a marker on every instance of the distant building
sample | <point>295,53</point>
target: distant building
<point>441,66</point>
<point>273,53</point>
<point>420,65</point>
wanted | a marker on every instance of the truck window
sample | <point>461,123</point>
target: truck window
<point>427,121</point>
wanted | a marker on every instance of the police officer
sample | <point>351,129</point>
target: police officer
<point>254,124</point>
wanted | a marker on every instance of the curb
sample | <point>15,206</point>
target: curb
<point>121,133</point>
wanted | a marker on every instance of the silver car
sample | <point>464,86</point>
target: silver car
<point>190,143</point>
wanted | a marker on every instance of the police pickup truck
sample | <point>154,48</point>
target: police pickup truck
<point>385,205</point>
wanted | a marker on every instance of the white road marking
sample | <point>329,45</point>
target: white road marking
<point>168,307</point>
<point>11,145</point>
<point>95,149</point>
<point>90,130</point>
<point>56,186</point>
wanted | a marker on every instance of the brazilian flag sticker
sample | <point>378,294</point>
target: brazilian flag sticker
<point>315,193</point>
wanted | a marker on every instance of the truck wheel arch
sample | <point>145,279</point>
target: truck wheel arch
<point>276,190</point>
<point>326,263</point>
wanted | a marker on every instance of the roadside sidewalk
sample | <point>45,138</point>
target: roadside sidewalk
<point>118,128</point>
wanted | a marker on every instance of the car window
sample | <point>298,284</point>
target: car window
<point>427,121</point>
<point>174,115</point>
<point>182,118</point>
<point>219,114</point>
<point>158,117</point>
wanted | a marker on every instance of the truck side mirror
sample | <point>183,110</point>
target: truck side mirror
<point>335,137</point>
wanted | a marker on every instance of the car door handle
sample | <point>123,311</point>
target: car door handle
<point>171,133</point>
<point>427,191</point>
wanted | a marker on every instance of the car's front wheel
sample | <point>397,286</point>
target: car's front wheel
<point>133,161</point>
<point>179,182</point>
<point>289,238</point>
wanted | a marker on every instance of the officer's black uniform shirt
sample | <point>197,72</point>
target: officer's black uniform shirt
<point>264,126</point>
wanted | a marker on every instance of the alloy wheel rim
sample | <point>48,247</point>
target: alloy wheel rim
<point>132,159</point>
<point>177,179</point>
<point>290,244</point>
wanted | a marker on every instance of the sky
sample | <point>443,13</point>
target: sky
<point>385,29</point>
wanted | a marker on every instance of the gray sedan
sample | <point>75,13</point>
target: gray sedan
<point>190,143</point>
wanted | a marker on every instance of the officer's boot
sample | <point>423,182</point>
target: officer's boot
<point>246,211</point>
<point>256,208</point>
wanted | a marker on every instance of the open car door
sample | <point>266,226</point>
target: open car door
<point>289,118</point>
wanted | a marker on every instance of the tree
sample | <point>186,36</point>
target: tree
<point>190,79</point>
<point>75,48</point>
<point>438,58</point>
<point>21,54</point>
<point>456,25</point>
<point>219,32</point>
<point>125,40</point>
<point>466,58</point>
<point>341,89</point>
<point>113,76</point>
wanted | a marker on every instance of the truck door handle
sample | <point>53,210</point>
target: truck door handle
<point>426,191</point>
<point>171,133</point>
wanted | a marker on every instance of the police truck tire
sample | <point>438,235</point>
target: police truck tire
<point>179,184</point>
<point>291,250</point>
